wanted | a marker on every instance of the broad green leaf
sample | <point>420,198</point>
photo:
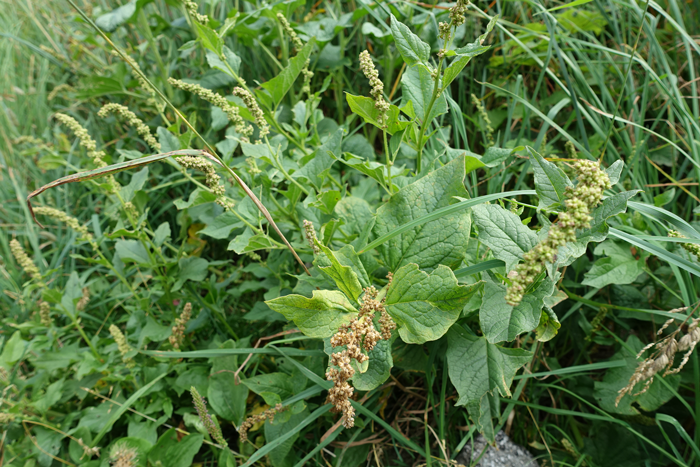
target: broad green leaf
<point>222,226</point>
<point>282,456</point>
<point>477,367</point>
<point>138,180</point>
<point>483,412</point>
<point>372,169</point>
<point>465,54</point>
<point>320,162</point>
<point>503,232</point>
<point>378,369</point>
<point>365,108</point>
<point>503,322</point>
<point>228,62</point>
<point>606,391</point>
<point>249,241</point>
<point>614,171</point>
<point>417,87</point>
<point>132,250</point>
<point>319,316</point>
<point>618,266</point>
<point>209,38</point>
<point>191,269</point>
<point>412,48</point>
<point>282,83</point>
<point>14,349</point>
<point>550,181</point>
<point>197,197</point>
<point>345,269</point>
<point>276,382</point>
<point>356,212</point>
<point>175,452</point>
<point>549,325</point>
<point>423,305</point>
<point>115,18</point>
<point>443,241</point>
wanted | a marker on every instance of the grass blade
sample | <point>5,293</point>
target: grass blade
<point>123,408</point>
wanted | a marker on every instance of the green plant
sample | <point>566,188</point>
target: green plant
<point>400,242</point>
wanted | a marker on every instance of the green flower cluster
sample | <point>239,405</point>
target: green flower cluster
<point>72,222</point>
<point>24,261</point>
<point>88,143</point>
<point>255,110</point>
<point>592,182</point>
<point>691,248</point>
<point>456,19</point>
<point>212,427</point>
<point>231,111</point>
<point>122,344</point>
<point>194,14</point>
<point>377,92</point>
<point>298,45</point>
<point>132,120</point>
<point>86,140</point>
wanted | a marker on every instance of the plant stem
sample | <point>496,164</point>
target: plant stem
<point>426,122</point>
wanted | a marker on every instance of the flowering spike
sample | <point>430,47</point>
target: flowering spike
<point>212,427</point>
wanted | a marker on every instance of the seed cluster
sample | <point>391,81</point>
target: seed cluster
<point>212,179</point>
<point>86,140</point>
<point>358,336</point>
<point>88,143</point>
<point>153,100</point>
<point>298,45</point>
<point>61,216</point>
<point>377,91</point>
<point>691,248</point>
<point>24,261</point>
<point>663,356</point>
<point>132,120</point>
<point>255,109</point>
<point>456,19</point>
<point>178,329</point>
<point>311,236</point>
<point>485,117</point>
<point>194,14</point>
<point>45,314</point>
<point>231,111</point>
<point>249,422</point>
<point>84,300</point>
<point>588,192</point>
<point>122,344</point>
<point>212,427</point>
<point>123,456</point>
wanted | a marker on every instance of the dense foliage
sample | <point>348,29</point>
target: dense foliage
<point>348,233</point>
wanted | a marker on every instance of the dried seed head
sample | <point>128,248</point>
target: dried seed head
<point>178,334</point>
<point>251,421</point>
<point>358,335</point>
<point>123,456</point>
